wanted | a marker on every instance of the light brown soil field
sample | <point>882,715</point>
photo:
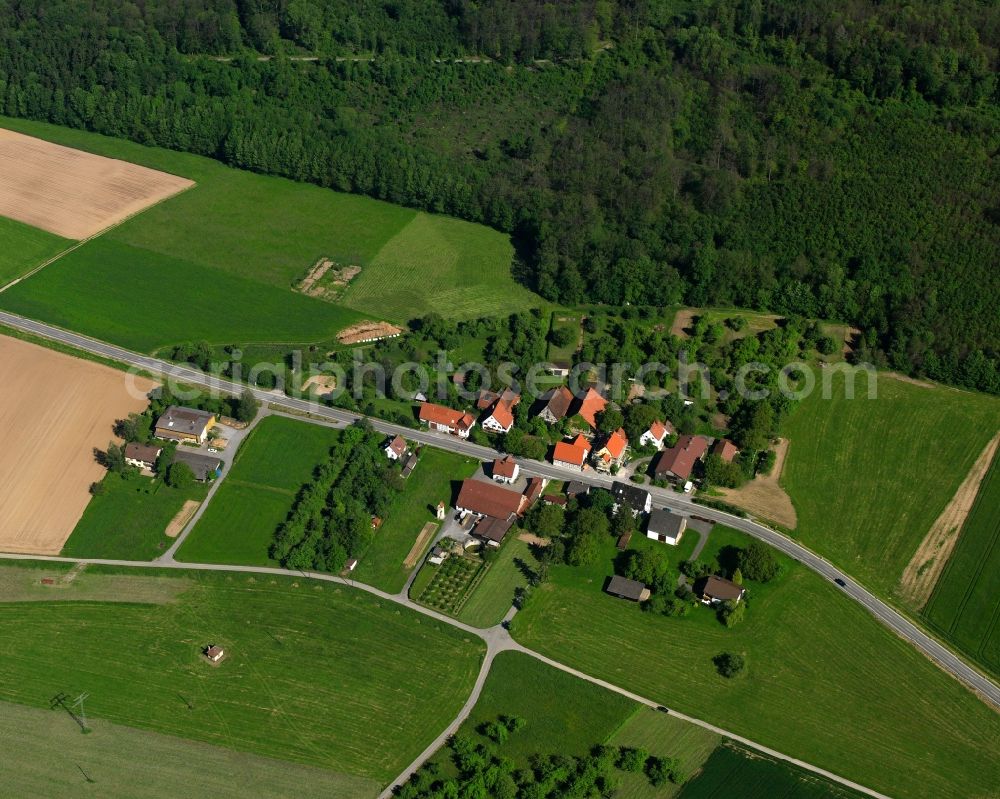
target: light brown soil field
<point>54,411</point>
<point>72,193</point>
<point>182,518</point>
<point>922,572</point>
<point>368,331</point>
<point>419,544</point>
<point>321,385</point>
<point>763,496</point>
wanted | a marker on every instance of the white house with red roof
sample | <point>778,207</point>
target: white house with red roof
<point>612,451</point>
<point>656,434</point>
<point>500,410</point>
<point>571,453</point>
<point>446,420</point>
<point>505,470</point>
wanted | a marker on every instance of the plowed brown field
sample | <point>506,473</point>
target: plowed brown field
<point>54,410</point>
<point>72,193</point>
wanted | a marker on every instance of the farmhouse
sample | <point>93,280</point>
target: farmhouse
<point>714,589</point>
<point>500,410</point>
<point>395,449</point>
<point>203,466</point>
<point>624,588</point>
<point>446,420</point>
<point>556,405</point>
<point>559,368</point>
<point>665,526</point>
<point>481,498</point>
<point>571,454</point>
<point>574,488</point>
<point>612,451</point>
<point>636,499</point>
<point>589,406</point>
<point>184,424</point>
<point>725,449</point>
<point>676,463</point>
<point>554,499</point>
<point>533,490</point>
<point>142,456</point>
<point>438,555</point>
<point>505,469</point>
<point>656,434</point>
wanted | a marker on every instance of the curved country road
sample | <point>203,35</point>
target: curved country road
<point>891,618</point>
<point>496,638</point>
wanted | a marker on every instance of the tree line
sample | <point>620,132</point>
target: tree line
<point>807,159</point>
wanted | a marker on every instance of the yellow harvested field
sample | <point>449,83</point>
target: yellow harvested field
<point>54,411</point>
<point>72,193</point>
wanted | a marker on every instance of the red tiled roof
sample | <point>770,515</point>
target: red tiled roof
<point>398,445</point>
<point>725,449</point>
<point>487,398</point>
<point>504,467</point>
<point>679,459</point>
<point>591,405</point>
<point>465,421</point>
<point>558,401</point>
<point>488,498</point>
<point>616,444</point>
<point>502,414</point>
<point>574,452</point>
<point>533,490</point>
<point>659,429</point>
<point>438,414</point>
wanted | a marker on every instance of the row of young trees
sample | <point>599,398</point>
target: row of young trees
<point>332,517</point>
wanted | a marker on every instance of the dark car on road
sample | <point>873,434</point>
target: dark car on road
<point>840,582</point>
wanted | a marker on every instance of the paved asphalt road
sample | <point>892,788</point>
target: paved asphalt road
<point>663,498</point>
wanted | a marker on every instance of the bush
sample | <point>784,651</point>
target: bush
<point>731,613</point>
<point>730,664</point>
<point>179,475</point>
<point>632,759</point>
<point>757,563</point>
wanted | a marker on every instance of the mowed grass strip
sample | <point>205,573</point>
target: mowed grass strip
<point>662,735</point>
<point>759,777</point>
<point>820,668</point>
<point>45,752</point>
<point>494,594</point>
<point>145,301</point>
<point>128,521</point>
<point>315,673</point>
<point>440,265</point>
<point>869,477</point>
<point>273,463</point>
<point>272,230</point>
<point>23,247</point>
<point>965,605</point>
<point>432,481</point>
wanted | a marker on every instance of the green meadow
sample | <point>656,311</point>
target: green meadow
<point>820,669</point>
<point>433,480</point>
<point>23,247</point>
<point>869,477</point>
<point>314,673</point>
<point>128,521</point>
<point>45,753</point>
<point>965,604</point>
<point>240,230</point>
<point>494,595</point>
<point>273,463</point>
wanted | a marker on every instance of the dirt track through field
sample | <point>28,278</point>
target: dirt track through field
<point>72,193</point>
<point>419,544</point>
<point>922,572</point>
<point>763,496</point>
<point>54,410</point>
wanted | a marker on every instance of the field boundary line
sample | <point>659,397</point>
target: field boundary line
<point>90,238</point>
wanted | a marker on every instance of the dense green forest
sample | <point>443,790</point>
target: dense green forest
<point>812,158</point>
